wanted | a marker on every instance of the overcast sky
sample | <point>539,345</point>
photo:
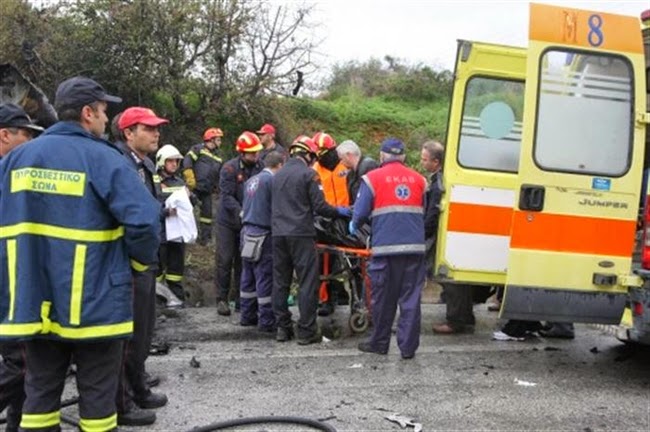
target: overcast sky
<point>426,30</point>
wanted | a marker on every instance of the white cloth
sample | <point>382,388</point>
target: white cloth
<point>182,227</point>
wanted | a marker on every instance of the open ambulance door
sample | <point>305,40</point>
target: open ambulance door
<point>580,170</point>
<point>481,160</point>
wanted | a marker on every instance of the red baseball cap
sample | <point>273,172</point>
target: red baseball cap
<point>139,115</point>
<point>266,129</point>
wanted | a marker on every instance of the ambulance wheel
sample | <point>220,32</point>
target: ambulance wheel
<point>358,322</point>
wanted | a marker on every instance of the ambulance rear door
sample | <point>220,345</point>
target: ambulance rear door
<point>580,170</point>
<point>481,160</point>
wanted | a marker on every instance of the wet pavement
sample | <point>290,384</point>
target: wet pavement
<point>460,382</point>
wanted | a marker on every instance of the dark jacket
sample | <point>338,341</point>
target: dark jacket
<point>365,165</point>
<point>231,183</point>
<point>206,165</point>
<point>72,213</point>
<point>297,195</point>
<point>145,167</point>
<point>432,212</point>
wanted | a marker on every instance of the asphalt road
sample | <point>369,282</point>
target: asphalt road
<point>462,382</point>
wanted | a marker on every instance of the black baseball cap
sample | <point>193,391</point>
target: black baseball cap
<point>80,91</point>
<point>13,116</point>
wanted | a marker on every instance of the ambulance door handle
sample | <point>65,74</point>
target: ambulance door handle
<point>531,198</point>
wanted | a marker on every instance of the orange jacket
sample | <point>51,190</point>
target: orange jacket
<point>335,186</point>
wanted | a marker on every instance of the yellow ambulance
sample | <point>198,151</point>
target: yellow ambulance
<point>543,169</point>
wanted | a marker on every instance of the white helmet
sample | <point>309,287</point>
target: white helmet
<point>165,152</point>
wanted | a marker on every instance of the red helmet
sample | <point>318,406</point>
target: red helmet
<point>248,142</point>
<point>304,143</point>
<point>212,133</point>
<point>324,141</point>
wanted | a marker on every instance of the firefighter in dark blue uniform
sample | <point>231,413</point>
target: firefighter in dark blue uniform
<point>392,197</point>
<point>234,174</point>
<point>257,271</point>
<point>201,168</point>
<point>16,128</point>
<point>172,253</point>
<point>297,196</point>
<point>72,214</point>
<point>140,130</point>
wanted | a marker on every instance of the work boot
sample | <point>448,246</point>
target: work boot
<point>326,309</point>
<point>315,338</point>
<point>284,334</point>
<point>136,417</point>
<point>248,323</point>
<point>222,308</point>
<point>447,329</point>
<point>367,347</point>
<point>151,400</point>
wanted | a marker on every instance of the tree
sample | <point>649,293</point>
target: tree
<point>188,56</point>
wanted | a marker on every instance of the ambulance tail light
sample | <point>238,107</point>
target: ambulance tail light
<point>637,308</point>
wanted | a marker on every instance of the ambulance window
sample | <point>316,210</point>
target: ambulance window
<point>584,114</point>
<point>490,137</point>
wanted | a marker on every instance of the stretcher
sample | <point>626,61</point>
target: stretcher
<point>351,270</point>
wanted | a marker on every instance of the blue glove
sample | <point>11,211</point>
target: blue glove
<point>352,228</point>
<point>344,212</point>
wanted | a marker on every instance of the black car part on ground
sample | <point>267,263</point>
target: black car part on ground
<point>315,424</point>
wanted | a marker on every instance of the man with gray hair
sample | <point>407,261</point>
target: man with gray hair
<point>392,197</point>
<point>359,165</point>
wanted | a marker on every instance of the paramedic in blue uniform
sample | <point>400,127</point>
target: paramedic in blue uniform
<point>72,215</point>
<point>257,276</point>
<point>16,128</point>
<point>297,196</point>
<point>392,197</point>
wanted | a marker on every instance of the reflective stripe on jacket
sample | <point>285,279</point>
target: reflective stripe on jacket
<point>392,197</point>
<point>72,214</point>
<point>206,166</point>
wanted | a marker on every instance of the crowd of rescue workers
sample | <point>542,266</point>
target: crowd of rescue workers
<point>83,240</point>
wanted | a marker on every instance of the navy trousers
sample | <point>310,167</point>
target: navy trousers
<point>133,381</point>
<point>396,281</point>
<point>257,284</point>
<point>12,382</point>
<point>228,261</point>
<point>98,366</point>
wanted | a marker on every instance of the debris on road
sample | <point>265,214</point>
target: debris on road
<point>404,421</point>
<point>524,383</point>
<point>195,363</point>
<point>160,348</point>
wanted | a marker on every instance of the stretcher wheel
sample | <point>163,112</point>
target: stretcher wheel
<point>358,322</point>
